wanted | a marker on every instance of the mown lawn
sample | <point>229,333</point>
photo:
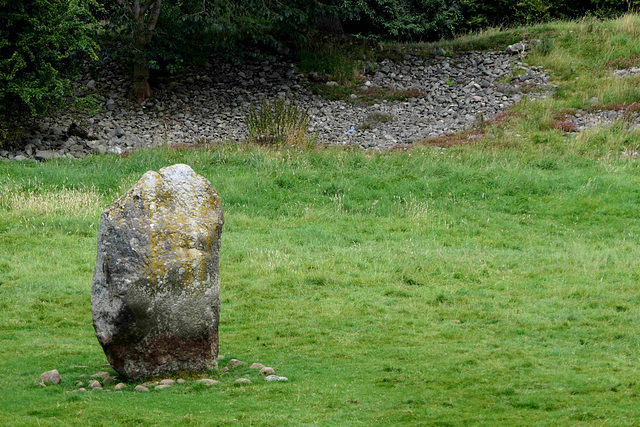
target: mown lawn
<point>429,287</point>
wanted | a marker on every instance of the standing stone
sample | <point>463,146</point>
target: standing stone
<point>156,288</point>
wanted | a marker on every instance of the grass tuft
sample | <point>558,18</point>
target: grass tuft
<point>278,123</point>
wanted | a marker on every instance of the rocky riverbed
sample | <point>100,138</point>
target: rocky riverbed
<point>441,94</point>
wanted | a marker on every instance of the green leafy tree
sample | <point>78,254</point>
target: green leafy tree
<point>40,42</point>
<point>144,18</point>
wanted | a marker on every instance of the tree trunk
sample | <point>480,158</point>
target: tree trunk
<point>140,89</point>
<point>330,24</point>
<point>145,18</point>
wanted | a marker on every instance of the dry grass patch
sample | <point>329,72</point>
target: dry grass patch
<point>56,202</point>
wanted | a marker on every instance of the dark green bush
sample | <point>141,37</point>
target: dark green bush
<point>40,42</point>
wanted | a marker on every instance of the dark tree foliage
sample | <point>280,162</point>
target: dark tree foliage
<point>40,42</point>
<point>483,13</point>
<point>403,19</point>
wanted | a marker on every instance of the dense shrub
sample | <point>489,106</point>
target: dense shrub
<point>39,43</point>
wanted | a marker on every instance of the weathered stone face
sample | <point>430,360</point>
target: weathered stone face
<point>156,288</point>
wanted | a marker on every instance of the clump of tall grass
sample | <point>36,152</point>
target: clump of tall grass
<point>278,123</point>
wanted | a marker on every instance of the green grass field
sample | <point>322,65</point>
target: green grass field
<point>493,283</point>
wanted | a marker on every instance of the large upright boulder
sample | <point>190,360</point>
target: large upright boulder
<point>155,294</point>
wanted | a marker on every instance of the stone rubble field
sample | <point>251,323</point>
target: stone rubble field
<point>208,104</point>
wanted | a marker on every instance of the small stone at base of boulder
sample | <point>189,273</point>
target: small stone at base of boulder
<point>256,366</point>
<point>95,385</point>
<point>120,386</point>
<point>141,388</point>
<point>276,378</point>
<point>51,377</point>
<point>235,362</point>
<point>207,381</point>
<point>267,371</point>
<point>243,380</point>
<point>167,382</point>
<point>103,375</point>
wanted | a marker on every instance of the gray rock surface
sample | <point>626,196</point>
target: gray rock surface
<point>207,381</point>
<point>155,292</point>
<point>267,371</point>
<point>52,376</point>
<point>275,378</point>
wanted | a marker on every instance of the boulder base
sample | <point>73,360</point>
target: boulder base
<point>156,290</point>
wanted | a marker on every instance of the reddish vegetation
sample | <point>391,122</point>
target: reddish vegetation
<point>631,108</point>
<point>465,137</point>
<point>564,125</point>
<point>623,63</point>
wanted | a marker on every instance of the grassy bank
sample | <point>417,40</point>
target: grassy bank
<point>488,283</point>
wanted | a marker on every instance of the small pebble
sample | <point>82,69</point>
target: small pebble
<point>167,382</point>
<point>103,375</point>
<point>52,376</point>
<point>141,388</point>
<point>256,366</point>
<point>276,378</point>
<point>162,386</point>
<point>235,362</point>
<point>180,381</point>
<point>120,386</point>
<point>267,371</point>
<point>243,380</point>
<point>207,381</point>
<point>95,385</point>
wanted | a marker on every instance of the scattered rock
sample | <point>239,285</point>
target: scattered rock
<point>79,390</point>
<point>103,375</point>
<point>167,382</point>
<point>440,52</point>
<point>120,386</point>
<point>267,371</point>
<point>256,366</point>
<point>52,376</point>
<point>243,381</point>
<point>332,84</point>
<point>207,381</point>
<point>79,383</point>
<point>275,378</point>
<point>516,48</point>
<point>46,155</point>
<point>162,386</point>
<point>155,293</point>
<point>95,385</point>
<point>180,381</point>
<point>235,362</point>
<point>140,388</point>
<point>225,369</point>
